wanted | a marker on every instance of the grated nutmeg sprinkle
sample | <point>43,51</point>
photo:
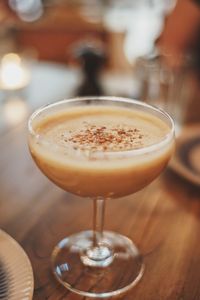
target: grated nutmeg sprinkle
<point>105,138</point>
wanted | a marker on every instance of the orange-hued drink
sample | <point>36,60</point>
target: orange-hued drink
<point>100,150</point>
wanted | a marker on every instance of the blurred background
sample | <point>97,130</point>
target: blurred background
<point>55,49</point>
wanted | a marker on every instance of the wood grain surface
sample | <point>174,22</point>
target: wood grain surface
<point>163,220</point>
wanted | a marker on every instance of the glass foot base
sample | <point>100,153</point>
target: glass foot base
<point>114,273</point>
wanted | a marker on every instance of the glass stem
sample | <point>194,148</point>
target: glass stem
<point>98,220</point>
<point>99,253</point>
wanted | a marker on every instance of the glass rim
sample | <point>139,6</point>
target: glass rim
<point>166,139</point>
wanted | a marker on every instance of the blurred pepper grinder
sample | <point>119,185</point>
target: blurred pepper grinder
<point>92,60</point>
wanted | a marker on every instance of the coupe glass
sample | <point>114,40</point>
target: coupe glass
<point>98,263</point>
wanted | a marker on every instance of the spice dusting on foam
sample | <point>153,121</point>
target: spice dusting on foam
<point>105,138</point>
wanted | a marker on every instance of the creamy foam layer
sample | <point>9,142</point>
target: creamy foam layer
<point>105,167</point>
<point>101,128</point>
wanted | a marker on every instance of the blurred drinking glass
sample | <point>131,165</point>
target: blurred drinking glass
<point>163,86</point>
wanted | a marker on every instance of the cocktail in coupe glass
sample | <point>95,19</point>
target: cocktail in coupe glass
<point>102,148</point>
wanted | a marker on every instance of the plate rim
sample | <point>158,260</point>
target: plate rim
<point>12,241</point>
<point>189,132</point>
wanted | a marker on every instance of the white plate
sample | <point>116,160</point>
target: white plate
<point>16,275</point>
<point>186,161</point>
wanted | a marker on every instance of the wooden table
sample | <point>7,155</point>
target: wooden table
<point>163,220</point>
